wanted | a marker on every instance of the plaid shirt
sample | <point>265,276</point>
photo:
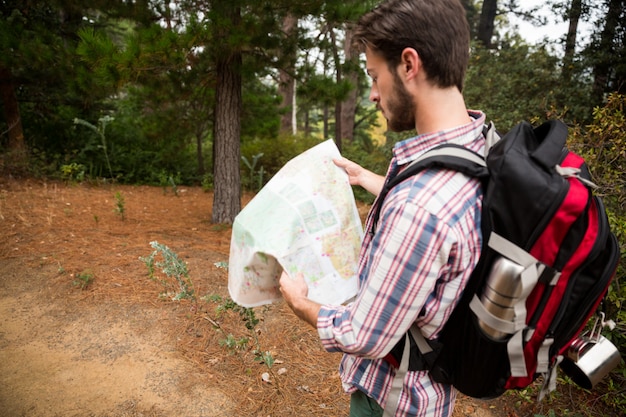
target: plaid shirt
<point>413,269</point>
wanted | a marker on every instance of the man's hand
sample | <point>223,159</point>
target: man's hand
<point>357,175</point>
<point>293,288</point>
<point>295,291</point>
<point>354,170</point>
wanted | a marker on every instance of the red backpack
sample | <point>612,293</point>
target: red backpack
<point>547,261</point>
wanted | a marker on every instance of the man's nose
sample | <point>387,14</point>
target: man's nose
<point>374,96</point>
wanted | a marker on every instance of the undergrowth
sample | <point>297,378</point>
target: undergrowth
<point>233,344</point>
<point>174,272</point>
<point>171,271</point>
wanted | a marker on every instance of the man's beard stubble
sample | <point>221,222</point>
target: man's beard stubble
<point>401,108</point>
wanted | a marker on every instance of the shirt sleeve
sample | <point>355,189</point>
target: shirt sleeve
<point>406,258</point>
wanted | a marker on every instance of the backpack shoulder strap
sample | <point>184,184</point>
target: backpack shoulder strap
<point>446,156</point>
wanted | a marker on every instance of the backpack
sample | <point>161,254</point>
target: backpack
<point>547,260</point>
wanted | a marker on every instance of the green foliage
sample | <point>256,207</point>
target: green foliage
<point>273,154</point>
<point>276,153</point>
<point>94,46</point>
<point>605,52</point>
<point>167,180</point>
<point>613,396</point>
<point>322,89</point>
<point>158,81</point>
<point>518,82</point>
<point>83,280</point>
<point>163,103</point>
<point>40,44</point>
<point>100,130</point>
<point>260,116</point>
<point>73,172</point>
<point>250,320</point>
<point>603,145</point>
<point>120,205</point>
<point>143,147</point>
<point>207,182</point>
<point>377,160</point>
<point>234,344</point>
<point>253,181</point>
<point>174,270</point>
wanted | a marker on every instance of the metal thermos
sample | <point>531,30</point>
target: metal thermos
<point>502,289</point>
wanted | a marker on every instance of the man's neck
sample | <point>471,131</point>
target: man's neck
<point>440,109</point>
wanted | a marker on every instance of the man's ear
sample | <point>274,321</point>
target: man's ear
<point>410,63</point>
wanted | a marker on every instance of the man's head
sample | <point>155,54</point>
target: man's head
<point>436,29</point>
<point>390,94</point>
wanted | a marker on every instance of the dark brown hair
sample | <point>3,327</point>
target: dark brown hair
<point>436,29</point>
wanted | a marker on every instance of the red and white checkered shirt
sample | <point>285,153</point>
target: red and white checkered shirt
<point>413,269</point>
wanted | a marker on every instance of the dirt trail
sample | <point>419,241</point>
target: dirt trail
<point>60,360</point>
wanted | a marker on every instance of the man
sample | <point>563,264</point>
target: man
<point>414,267</point>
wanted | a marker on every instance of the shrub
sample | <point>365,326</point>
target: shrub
<point>603,145</point>
<point>276,152</point>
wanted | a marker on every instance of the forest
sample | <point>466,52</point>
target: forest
<point>221,94</point>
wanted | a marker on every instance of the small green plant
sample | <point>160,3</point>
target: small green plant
<point>250,321</point>
<point>221,265</point>
<point>173,268</point>
<point>73,172</point>
<point>83,280</point>
<point>174,186</point>
<point>207,182</point>
<point>120,205</point>
<point>253,172</point>
<point>167,180</point>
<point>100,131</point>
<point>149,262</point>
<point>527,395</point>
<point>234,344</point>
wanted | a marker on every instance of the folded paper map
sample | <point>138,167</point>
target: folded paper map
<point>304,220</point>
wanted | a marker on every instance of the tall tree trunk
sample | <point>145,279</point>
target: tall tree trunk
<point>486,22</point>
<point>605,52</point>
<point>338,79</point>
<point>16,144</point>
<point>325,114</point>
<point>471,12</point>
<point>287,82</point>
<point>227,130</point>
<point>575,10</point>
<point>325,109</point>
<point>348,107</point>
<point>307,123</point>
<point>338,138</point>
<point>200,157</point>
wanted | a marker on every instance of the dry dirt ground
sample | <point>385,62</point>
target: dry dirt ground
<point>85,332</point>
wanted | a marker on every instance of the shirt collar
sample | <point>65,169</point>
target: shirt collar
<point>409,149</point>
